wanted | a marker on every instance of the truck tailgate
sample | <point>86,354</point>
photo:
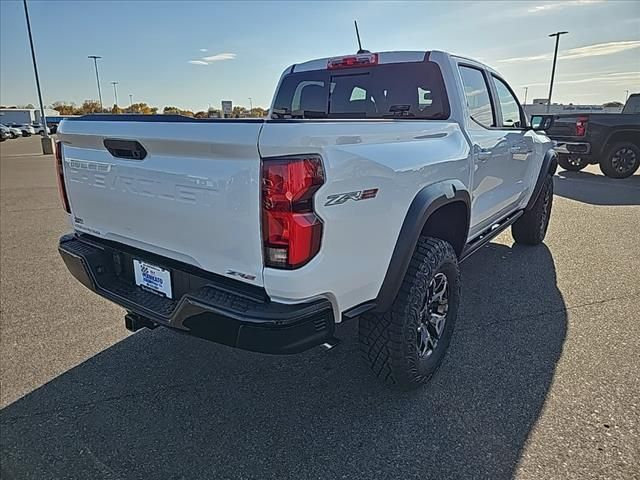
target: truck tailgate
<point>194,197</point>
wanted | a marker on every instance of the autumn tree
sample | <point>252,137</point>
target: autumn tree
<point>239,112</point>
<point>64,108</point>
<point>176,111</point>
<point>90,106</point>
<point>143,108</point>
<point>257,112</point>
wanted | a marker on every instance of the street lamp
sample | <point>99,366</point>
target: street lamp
<point>95,64</point>
<point>526,90</point>
<point>115,94</point>
<point>250,105</point>
<point>131,101</point>
<point>553,68</point>
<point>47,144</point>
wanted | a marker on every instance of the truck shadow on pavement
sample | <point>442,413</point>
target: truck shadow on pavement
<point>595,189</point>
<point>162,405</point>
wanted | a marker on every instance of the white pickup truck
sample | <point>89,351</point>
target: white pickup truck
<point>373,177</point>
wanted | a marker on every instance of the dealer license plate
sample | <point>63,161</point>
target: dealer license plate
<point>153,278</point>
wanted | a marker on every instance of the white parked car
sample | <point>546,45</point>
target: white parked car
<point>13,132</point>
<point>39,129</point>
<point>374,177</point>
<point>26,129</point>
<point>4,133</point>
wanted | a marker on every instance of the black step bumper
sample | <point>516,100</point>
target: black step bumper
<point>205,305</point>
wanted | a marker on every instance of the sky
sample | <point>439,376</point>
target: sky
<point>195,54</point>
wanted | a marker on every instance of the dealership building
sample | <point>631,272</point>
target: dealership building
<point>24,115</point>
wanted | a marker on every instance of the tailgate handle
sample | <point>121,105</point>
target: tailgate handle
<point>129,149</point>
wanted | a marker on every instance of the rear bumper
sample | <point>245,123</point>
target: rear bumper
<point>204,305</point>
<point>573,148</point>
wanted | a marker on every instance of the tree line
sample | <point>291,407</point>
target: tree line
<point>93,106</point>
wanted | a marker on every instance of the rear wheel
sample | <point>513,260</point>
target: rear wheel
<point>405,345</point>
<point>531,227</point>
<point>621,161</point>
<point>573,163</point>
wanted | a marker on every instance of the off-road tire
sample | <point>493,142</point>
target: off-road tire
<point>572,163</point>
<point>614,171</point>
<point>388,341</point>
<point>531,227</point>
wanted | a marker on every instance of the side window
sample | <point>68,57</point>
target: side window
<point>476,92</point>
<point>425,99</point>
<point>508,105</point>
<point>358,94</point>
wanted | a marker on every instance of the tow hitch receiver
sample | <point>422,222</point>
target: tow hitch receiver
<point>134,322</point>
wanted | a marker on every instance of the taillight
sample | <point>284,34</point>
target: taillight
<point>291,230</point>
<point>60,175</point>
<point>350,61</point>
<point>581,126</point>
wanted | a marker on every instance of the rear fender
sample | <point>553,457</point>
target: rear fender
<point>424,204</point>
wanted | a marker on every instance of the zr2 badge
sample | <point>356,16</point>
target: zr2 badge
<point>340,198</point>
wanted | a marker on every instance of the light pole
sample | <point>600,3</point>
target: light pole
<point>47,144</point>
<point>250,105</point>
<point>95,64</point>
<point>115,94</point>
<point>131,102</point>
<point>526,90</point>
<point>553,68</point>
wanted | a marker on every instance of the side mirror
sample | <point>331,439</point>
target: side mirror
<point>541,122</point>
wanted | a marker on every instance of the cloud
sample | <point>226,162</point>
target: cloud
<point>599,49</point>
<point>595,50</point>
<point>204,49</point>
<point>617,78</point>
<point>213,58</point>
<point>219,57</point>
<point>546,7</point>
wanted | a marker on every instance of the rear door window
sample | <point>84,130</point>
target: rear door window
<point>476,92</point>
<point>412,90</point>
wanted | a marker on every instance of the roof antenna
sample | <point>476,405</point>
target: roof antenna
<point>360,50</point>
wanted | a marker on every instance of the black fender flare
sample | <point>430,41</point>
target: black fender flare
<point>549,167</point>
<point>424,204</point>
<point>607,141</point>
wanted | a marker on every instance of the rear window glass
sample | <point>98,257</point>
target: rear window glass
<point>632,105</point>
<point>412,90</point>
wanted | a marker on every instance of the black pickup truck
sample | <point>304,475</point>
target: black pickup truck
<point>610,139</point>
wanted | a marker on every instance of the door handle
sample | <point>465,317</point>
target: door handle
<point>484,155</point>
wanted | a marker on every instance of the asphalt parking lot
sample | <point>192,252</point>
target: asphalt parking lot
<point>541,381</point>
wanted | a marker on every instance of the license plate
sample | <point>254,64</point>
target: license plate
<point>154,278</point>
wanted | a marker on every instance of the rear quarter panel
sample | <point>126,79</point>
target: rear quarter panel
<point>396,157</point>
